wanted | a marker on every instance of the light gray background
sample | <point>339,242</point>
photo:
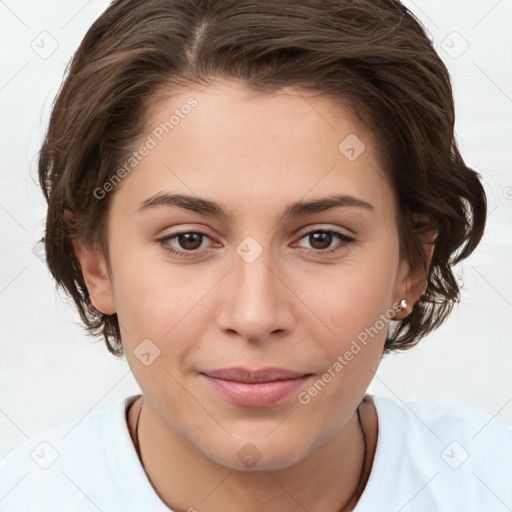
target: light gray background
<point>51,372</point>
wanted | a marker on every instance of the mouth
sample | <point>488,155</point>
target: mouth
<point>254,388</point>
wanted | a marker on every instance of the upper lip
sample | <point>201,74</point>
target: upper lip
<point>239,374</point>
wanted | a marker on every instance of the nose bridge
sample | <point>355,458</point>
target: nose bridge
<point>255,302</point>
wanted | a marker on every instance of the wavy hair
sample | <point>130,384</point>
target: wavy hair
<point>370,55</point>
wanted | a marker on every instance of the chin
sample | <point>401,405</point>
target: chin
<point>257,455</point>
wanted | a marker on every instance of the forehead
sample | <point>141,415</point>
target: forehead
<point>251,150</point>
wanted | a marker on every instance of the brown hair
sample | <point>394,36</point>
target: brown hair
<point>372,56</point>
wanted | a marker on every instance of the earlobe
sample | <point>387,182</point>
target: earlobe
<point>96,276</point>
<point>413,284</point>
<point>402,300</point>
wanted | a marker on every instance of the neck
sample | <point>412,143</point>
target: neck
<point>328,479</point>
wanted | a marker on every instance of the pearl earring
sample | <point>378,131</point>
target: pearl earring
<point>403,304</point>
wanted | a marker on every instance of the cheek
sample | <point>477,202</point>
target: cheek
<point>354,308</point>
<point>141,297</point>
<point>354,297</point>
<point>160,301</point>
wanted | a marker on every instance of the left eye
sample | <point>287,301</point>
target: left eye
<point>321,240</point>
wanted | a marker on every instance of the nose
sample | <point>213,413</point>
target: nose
<point>255,300</point>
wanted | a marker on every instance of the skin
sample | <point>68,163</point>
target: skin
<point>255,154</point>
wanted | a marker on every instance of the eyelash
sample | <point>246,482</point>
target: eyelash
<point>345,241</point>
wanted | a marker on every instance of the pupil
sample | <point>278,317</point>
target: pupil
<point>324,239</point>
<point>186,241</point>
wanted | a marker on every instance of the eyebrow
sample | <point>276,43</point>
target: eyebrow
<point>207,207</point>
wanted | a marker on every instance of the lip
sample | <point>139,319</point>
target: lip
<point>254,388</point>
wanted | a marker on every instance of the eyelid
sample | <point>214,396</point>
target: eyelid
<point>333,229</point>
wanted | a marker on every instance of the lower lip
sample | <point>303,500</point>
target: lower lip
<point>258,394</point>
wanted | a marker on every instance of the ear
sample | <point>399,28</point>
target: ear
<point>95,272</point>
<point>411,285</point>
<point>96,276</point>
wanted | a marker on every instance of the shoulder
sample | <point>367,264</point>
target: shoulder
<point>45,469</point>
<point>440,421</point>
<point>443,417</point>
<point>448,456</point>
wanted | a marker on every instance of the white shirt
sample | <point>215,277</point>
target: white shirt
<point>429,458</point>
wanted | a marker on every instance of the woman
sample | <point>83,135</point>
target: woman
<point>255,201</point>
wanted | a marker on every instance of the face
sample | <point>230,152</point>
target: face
<point>242,280</point>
